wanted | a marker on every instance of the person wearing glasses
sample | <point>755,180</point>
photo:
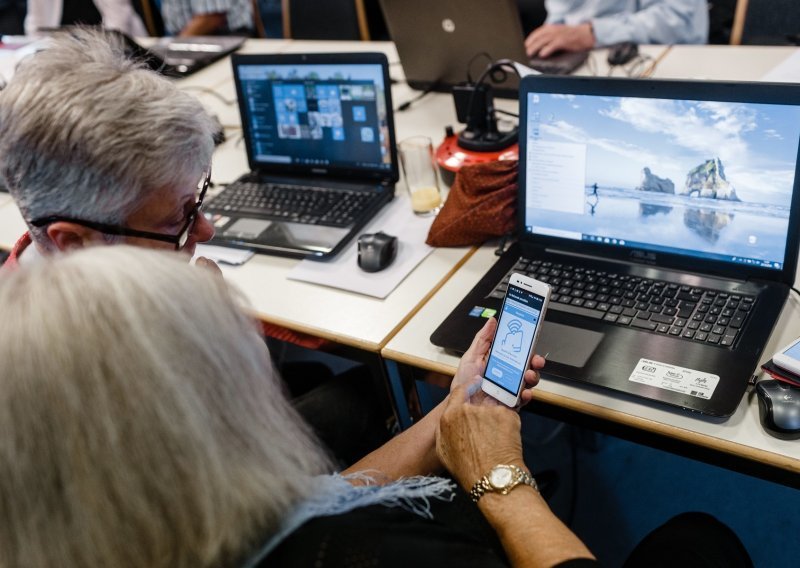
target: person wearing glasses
<point>95,149</point>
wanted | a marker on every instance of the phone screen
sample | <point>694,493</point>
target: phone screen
<point>793,351</point>
<point>513,340</point>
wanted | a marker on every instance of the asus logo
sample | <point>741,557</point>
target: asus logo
<point>643,256</point>
<point>319,170</point>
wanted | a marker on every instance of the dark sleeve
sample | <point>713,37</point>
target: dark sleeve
<point>578,563</point>
<point>392,537</point>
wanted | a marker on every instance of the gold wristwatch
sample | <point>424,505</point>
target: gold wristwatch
<point>502,479</point>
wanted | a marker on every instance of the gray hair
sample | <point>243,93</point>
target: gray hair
<point>87,133</point>
<point>142,423</point>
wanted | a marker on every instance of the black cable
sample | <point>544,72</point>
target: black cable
<point>473,59</point>
<point>428,90</point>
<point>495,65</point>
<point>795,290</point>
<point>501,111</point>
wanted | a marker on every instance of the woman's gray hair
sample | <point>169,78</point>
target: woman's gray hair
<point>142,422</point>
<point>87,133</point>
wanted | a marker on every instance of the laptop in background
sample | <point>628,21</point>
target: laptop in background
<point>444,42</point>
<point>171,56</point>
<point>185,55</point>
<point>664,214</point>
<point>320,142</point>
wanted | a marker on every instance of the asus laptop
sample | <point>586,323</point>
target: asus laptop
<point>461,37</point>
<point>320,142</point>
<point>664,215</point>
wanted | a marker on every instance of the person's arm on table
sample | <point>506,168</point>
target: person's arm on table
<point>471,440</point>
<point>204,24</point>
<point>413,452</point>
<point>656,21</point>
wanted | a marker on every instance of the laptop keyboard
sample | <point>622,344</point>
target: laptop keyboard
<point>300,204</point>
<point>694,314</point>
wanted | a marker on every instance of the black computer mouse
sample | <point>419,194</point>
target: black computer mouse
<point>376,251</point>
<point>779,408</point>
<point>621,53</point>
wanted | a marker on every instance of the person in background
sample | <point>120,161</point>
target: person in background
<point>111,14</point>
<point>207,17</point>
<point>577,25</point>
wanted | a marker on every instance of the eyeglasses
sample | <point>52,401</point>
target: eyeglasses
<point>178,240</point>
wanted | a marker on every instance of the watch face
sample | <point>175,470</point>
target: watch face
<point>501,477</point>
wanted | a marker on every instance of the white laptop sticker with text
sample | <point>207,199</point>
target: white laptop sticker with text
<point>674,378</point>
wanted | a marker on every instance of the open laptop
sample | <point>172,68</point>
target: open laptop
<point>461,37</point>
<point>183,56</point>
<point>172,56</point>
<point>664,215</point>
<point>320,142</point>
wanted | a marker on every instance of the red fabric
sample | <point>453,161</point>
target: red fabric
<point>296,337</point>
<point>269,330</point>
<point>481,204</point>
<point>12,262</point>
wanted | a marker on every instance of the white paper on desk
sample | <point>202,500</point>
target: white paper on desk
<point>227,255</point>
<point>395,219</point>
<point>787,71</point>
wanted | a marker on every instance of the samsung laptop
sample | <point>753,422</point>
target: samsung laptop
<point>445,42</point>
<point>320,142</point>
<point>664,214</point>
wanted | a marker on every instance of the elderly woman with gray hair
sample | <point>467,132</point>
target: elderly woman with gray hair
<point>144,426</point>
<point>95,149</point>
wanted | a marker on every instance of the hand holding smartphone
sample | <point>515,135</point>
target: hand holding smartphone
<point>515,338</point>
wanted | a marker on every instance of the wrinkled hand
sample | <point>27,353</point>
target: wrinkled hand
<point>473,364</point>
<point>471,439</point>
<point>208,264</point>
<point>548,39</point>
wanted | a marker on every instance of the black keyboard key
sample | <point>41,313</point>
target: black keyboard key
<point>661,318</point>
<point>713,338</point>
<point>727,340</point>
<point>643,324</point>
<point>662,328</point>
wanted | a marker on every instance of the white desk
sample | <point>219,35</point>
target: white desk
<point>720,62</point>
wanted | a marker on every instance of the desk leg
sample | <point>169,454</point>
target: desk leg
<point>398,393</point>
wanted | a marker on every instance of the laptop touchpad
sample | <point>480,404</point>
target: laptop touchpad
<point>566,344</point>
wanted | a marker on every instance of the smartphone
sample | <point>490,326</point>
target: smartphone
<point>515,338</point>
<point>788,358</point>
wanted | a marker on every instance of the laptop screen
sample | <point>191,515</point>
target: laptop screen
<point>331,116</point>
<point>711,180</point>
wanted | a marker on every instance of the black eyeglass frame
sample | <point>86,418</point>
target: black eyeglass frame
<point>178,240</point>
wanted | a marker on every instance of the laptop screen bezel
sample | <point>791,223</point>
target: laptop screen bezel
<point>722,91</point>
<point>366,58</point>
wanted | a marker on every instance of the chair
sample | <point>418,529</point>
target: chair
<point>766,22</point>
<point>332,19</point>
<point>151,16</point>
